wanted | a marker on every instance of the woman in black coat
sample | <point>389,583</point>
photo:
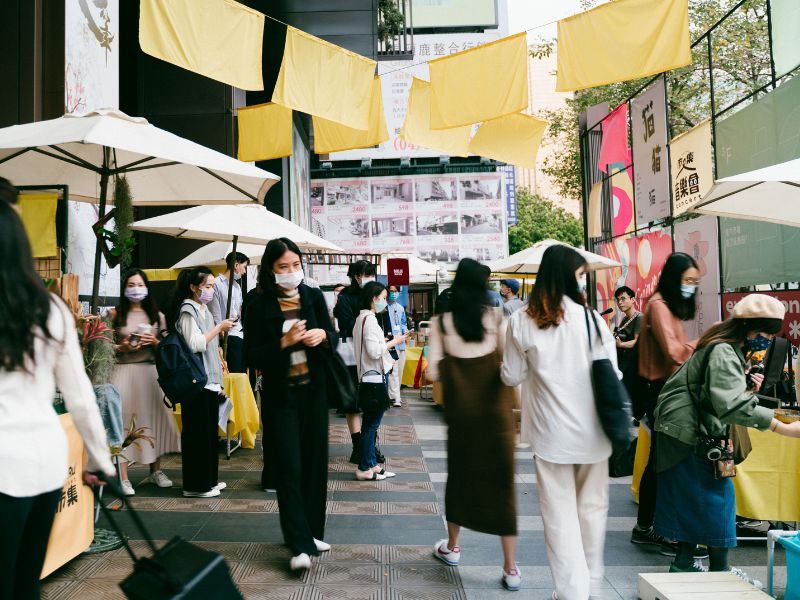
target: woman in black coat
<point>287,330</point>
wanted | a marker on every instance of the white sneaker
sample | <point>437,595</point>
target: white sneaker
<point>301,561</point>
<point>512,580</point>
<point>221,485</point>
<point>127,488</point>
<point>321,546</point>
<point>742,575</point>
<point>209,494</point>
<point>160,479</point>
<point>397,403</point>
<point>448,556</point>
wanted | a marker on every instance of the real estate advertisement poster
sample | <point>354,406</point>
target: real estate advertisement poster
<point>439,218</point>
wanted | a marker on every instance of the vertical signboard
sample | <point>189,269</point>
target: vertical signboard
<point>692,167</point>
<point>650,160</point>
<point>699,238</point>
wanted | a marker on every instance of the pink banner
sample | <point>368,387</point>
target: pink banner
<point>790,299</point>
<point>614,148</point>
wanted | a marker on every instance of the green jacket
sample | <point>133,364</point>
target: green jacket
<point>724,400</point>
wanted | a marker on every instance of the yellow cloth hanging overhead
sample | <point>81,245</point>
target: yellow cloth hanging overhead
<point>332,137</point>
<point>480,84</point>
<point>417,125</point>
<point>324,80</point>
<point>622,40</point>
<point>220,39</point>
<point>513,139</point>
<point>265,132</point>
<point>596,210</point>
<point>38,213</point>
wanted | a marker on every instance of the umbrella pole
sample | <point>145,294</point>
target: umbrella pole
<point>230,293</point>
<point>98,247</point>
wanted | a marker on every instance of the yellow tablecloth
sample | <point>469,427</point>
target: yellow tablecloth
<point>413,354</point>
<point>244,416</point>
<point>767,483</point>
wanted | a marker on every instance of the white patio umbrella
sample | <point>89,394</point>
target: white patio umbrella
<point>213,255</point>
<point>770,194</point>
<point>234,223</point>
<point>85,151</point>
<point>527,261</point>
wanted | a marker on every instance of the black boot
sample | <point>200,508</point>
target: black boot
<point>378,454</point>
<point>355,457</point>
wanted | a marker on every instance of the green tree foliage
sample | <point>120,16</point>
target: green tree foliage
<point>740,56</point>
<point>539,219</point>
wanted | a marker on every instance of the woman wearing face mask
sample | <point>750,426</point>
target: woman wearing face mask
<point>138,327</point>
<point>663,348</point>
<point>287,328</point>
<point>361,272</point>
<point>547,352</point>
<point>695,410</point>
<point>190,318</point>
<point>372,354</point>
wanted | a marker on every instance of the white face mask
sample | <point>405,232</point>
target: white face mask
<point>366,280</point>
<point>582,284</point>
<point>289,281</point>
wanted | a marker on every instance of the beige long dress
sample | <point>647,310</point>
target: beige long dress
<point>136,379</point>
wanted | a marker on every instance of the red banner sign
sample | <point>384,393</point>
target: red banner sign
<point>398,271</point>
<point>790,299</point>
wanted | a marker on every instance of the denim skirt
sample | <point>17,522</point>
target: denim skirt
<point>692,506</point>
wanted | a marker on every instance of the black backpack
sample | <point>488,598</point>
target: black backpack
<point>181,373</point>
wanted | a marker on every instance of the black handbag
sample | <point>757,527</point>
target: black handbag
<point>372,396</point>
<point>610,395</point>
<point>178,570</point>
<point>342,393</point>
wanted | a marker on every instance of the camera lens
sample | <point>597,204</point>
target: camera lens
<point>714,453</point>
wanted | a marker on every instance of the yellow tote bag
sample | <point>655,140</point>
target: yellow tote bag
<point>333,137</point>
<point>219,39</point>
<point>622,40</point>
<point>480,84</point>
<point>265,132</point>
<point>324,80</point>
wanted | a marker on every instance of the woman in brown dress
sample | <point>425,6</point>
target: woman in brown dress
<point>465,353</point>
<point>138,327</point>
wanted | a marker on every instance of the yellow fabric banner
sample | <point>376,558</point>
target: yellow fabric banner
<point>172,274</point>
<point>265,132</point>
<point>480,84</point>
<point>513,139</point>
<point>219,39</point>
<point>324,80</point>
<point>596,210</point>
<point>622,40</point>
<point>73,527</point>
<point>332,137</point>
<point>39,218</point>
<point>691,158</point>
<point>417,125</point>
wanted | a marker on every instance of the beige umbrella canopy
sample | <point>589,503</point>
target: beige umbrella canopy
<point>84,152</point>
<point>527,261</point>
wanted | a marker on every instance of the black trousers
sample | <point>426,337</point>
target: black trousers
<point>298,433</point>
<point>200,456</point>
<point>647,486</point>
<point>235,356</point>
<point>25,528</point>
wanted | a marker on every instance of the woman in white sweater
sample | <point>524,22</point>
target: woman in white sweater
<point>547,352</point>
<point>373,363</point>
<point>39,350</point>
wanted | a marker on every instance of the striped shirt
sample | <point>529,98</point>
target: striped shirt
<point>289,301</point>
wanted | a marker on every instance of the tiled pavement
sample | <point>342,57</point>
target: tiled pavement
<point>382,532</point>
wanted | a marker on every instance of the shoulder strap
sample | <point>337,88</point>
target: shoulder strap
<point>596,326</point>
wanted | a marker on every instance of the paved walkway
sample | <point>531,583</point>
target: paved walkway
<point>382,532</point>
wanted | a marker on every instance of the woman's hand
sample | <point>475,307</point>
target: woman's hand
<point>148,339</point>
<point>90,478</point>
<point>125,346</point>
<point>314,337</point>
<point>398,339</point>
<point>226,325</point>
<point>295,335</point>
<point>788,429</point>
<point>757,379</point>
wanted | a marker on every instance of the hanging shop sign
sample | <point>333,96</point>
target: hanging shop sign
<point>650,158</point>
<point>692,167</point>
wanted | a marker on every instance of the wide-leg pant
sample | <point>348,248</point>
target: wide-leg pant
<point>25,524</point>
<point>574,506</point>
<point>396,376</point>
<point>298,431</point>
<point>199,435</point>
